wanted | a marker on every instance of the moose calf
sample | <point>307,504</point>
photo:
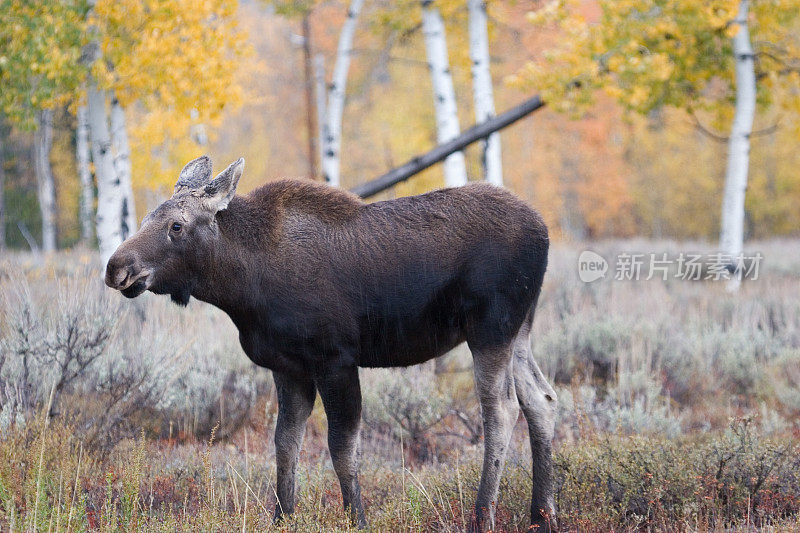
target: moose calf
<point>320,283</point>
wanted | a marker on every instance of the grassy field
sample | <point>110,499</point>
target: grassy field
<point>678,406</point>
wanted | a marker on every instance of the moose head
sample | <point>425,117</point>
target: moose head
<point>176,240</point>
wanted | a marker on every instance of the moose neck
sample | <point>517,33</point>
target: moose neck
<point>232,280</point>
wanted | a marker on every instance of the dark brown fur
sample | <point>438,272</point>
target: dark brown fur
<point>320,283</point>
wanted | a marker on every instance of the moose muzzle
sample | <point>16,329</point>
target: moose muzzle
<point>125,273</point>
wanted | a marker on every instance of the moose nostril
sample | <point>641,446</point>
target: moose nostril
<point>118,270</point>
<point>121,276</point>
<point>115,275</point>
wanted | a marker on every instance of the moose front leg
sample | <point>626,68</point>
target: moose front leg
<point>295,402</point>
<point>341,396</point>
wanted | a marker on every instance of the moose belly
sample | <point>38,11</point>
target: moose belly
<point>412,332</point>
<point>283,353</point>
<point>411,349</point>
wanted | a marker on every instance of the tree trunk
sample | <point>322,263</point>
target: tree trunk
<point>444,97</point>
<point>122,167</point>
<point>309,90</point>
<point>45,185</point>
<point>332,137</point>
<point>85,174</point>
<point>109,189</point>
<point>732,228</point>
<point>491,156</point>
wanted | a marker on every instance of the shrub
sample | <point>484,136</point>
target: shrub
<point>114,370</point>
<point>784,380</point>
<point>635,406</point>
<point>691,483</point>
<point>585,346</point>
<point>407,404</point>
<point>46,351</point>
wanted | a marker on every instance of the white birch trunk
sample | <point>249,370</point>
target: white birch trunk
<point>444,97</point>
<point>85,175</point>
<point>491,156</point>
<point>45,185</point>
<point>332,137</point>
<point>732,227</point>
<point>122,167</point>
<point>110,192</point>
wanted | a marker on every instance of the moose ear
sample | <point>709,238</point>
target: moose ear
<point>196,174</point>
<point>219,192</point>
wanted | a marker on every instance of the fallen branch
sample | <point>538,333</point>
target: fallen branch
<point>440,153</point>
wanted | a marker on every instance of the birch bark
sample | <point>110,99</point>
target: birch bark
<point>444,98</point>
<point>45,185</point>
<point>85,175</point>
<point>491,156</point>
<point>732,226</point>
<point>332,137</point>
<point>110,191</point>
<point>122,167</point>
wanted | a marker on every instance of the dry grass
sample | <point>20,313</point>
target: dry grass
<point>678,411</point>
<point>735,480</point>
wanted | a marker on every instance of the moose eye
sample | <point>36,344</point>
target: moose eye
<point>177,227</point>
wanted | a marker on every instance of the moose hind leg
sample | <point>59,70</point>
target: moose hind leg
<point>295,402</point>
<point>494,384</point>
<point>341,396</point>
<point>538,401</point>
